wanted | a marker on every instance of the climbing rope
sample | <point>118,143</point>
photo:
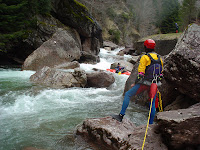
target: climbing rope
<point>160,102</point>
<point>147,124</point>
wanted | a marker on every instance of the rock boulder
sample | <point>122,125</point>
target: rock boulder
<point>100,79</point>
<point>64,46</point>
<point>59,79</point>
<point>180,128</point>
<point>110,44</point>
<point>165,43</point>
<point>182,65</point>
<point>67,65</point>
<point>119,135</point>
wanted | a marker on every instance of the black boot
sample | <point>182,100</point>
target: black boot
<point>118,117</point>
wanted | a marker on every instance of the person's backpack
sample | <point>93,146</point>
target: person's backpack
<point>154,69</point>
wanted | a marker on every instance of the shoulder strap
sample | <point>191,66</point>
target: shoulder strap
<point>150,57</point>
<point>153,60</point>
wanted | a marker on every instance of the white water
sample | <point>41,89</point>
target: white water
<point>41,117</point>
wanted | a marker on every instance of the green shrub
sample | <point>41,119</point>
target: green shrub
<point>115,35</point>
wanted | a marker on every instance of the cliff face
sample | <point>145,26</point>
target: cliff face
<point>165,43</point>
<point>65,14</point>
<point>116,18</point>
<point>76,15</point>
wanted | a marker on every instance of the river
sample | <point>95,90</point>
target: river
<point>45,118</point>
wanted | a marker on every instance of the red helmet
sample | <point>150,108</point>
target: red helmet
<point>150,44</point>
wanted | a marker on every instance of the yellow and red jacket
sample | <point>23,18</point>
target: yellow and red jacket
<point>146,61</point>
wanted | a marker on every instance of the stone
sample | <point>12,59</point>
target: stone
<point>182,65</point>
<point>180,128</point>
<point>59,79</point>
<point>119,135</point>
<point>68,65</point>
<point>110,44</point>
<point>100,79</point>
<point>62,47</point>
<point>87,57</point>
<point>107,48</point>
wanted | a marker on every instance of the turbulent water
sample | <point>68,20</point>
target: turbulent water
<point>46,118</point>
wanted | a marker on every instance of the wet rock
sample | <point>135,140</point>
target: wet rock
<point>87,57</point>
<point>119,135</point>
<point>129,50</point>
<point>181,102</point>
<point>107,48</point>
<point>59,79</point>
<point>100,79</point>
<point>133,59</point>
<point>68,65</point>
<point>120,53</point>
<point>180,128</point>
<point>182,65</point>
<point>110,44</point>
<point>64,46</point>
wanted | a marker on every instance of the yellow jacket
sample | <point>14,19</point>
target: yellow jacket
<point>146,61</point>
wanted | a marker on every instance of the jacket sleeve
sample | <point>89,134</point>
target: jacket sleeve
<point>142,64</point>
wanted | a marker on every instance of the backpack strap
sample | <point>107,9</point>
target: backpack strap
<point>149,73</point>
<point>153,61</point>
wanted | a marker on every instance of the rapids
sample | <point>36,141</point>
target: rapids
<point>46,118</point>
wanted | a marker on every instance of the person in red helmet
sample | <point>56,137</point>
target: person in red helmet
<point>149,70</point>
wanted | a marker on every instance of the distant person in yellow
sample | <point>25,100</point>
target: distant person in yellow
<point>149,70</point>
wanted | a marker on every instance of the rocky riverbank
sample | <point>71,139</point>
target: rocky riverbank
<point>175,129</point>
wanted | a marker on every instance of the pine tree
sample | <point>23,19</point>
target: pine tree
<point>16,16</point>
<point>188,12</point>
<point>170,15</point>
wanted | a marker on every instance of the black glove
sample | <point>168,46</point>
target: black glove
<point>139,77</point>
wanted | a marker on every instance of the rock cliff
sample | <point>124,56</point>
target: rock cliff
<point>76,15</point>
<point>182,66</point>
<point>165,43</point>
<point>65,14</point>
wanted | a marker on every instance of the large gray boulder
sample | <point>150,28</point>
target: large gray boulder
<point>87,57</point>
<point>64,46</point>
<point>165,43</point>
<point>59,79</point>
<point>180,128</point>
<point>182,65</point>
<point>119,135</point>
<point>100,79</point>
<point>110,44</point>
